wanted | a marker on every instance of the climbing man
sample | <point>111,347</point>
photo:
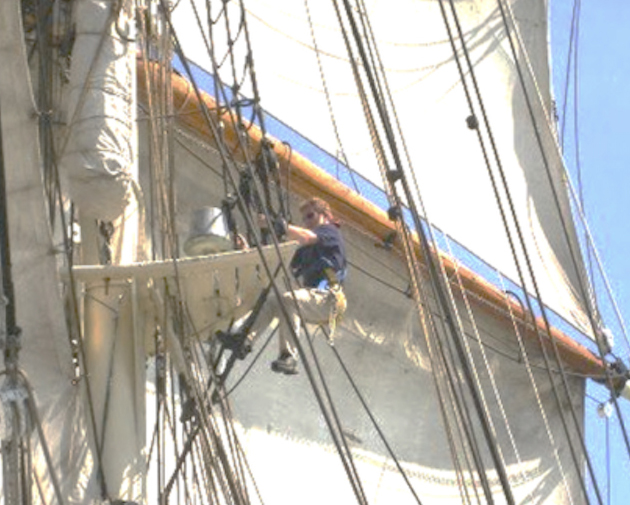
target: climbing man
<point>320,265</point>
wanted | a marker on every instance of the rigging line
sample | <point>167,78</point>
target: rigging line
<point>305,367</point>
<point>530,374</point>
<point>327,93</point>
<point>472,362</point>
<point>491,377</point>
<point>459,409</point>
<point>237,460</point>
<point>161,398</point>
<point>257,108</point>
<point>7,296</point>
<point>238,457</point>
<point>44,98</point>
<point>168,145</point>
<point>189,447</point>
<point>454,390</point>
<point>203,463</point>
<point>567,74</point>
<point>413,267</point>
<point>75,309</point>
<point>211,447</point>
<point>567,180</point>
<point>236,490</point>
<point>225,464</point>
<point>156,184</point>
<point>347,464</point>
<point>249,471</point>
<point>348,459</point>
<point>251,365</point>
<point>394,110</point>
<point>435,277</point>
<point>518,232</point>
<point>380,154</point>
<point>371,416</point>
<point>521,241</point>
<point>377,279</point>
<point>171,418</point>
<point>401,136</point>
<point>582,288</point>
<point>204,456</point>
<point>600,267</point>
<point>576,139</point>
<point>211,22</point>
<point>220,90</point>
<point>40,432</point>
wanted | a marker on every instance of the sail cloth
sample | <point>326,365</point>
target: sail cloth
<point>427,92</point>
<point>381,343</point>
<point>284,437</point>
<point>98,158</point>
<point>45,357</point>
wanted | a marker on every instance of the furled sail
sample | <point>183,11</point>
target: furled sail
<point>305,79</point>
<point>98,157</point>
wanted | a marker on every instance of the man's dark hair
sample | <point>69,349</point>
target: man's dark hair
<point>318,205</point>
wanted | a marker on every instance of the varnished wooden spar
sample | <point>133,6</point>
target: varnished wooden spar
<point>309,180</point>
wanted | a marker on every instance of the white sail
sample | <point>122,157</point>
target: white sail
<point>46,357</point>
<point>431,106</point>
<point>284,441</point>
<point>97,157</point>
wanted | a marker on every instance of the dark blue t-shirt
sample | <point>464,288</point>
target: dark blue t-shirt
<point>310,260</point>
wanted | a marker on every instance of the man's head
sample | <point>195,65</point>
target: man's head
<point>315,212</point>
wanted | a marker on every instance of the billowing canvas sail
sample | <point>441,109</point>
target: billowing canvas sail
<point>287,445</point>
<point>306,80</point>
<point>417,395</point>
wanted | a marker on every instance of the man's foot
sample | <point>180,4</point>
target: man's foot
<point>285,364</point>
<point>235,342</point>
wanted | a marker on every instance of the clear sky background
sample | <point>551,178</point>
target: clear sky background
<point>603,144</point>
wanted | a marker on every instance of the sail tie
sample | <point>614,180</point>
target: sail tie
<point>340,304</point>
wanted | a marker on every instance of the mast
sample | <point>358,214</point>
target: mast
<point>99,161</point>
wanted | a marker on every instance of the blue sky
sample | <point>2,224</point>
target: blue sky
<point>603,114</point>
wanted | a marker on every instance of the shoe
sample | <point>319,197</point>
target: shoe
<point>285,364</point>
<point>235,342</point>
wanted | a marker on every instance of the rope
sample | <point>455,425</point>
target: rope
<point>78,343</point>
<point>345,458</point>
<point>171,235</point>
<point>331,112</point>
<point>583,289</point>
<point>504,218</point>
<point>543,412</point>
<point>436,281</point>
<point>371,416</point>
<point>251,364</point>
<point>579,198</point>
<point>486,363</point>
